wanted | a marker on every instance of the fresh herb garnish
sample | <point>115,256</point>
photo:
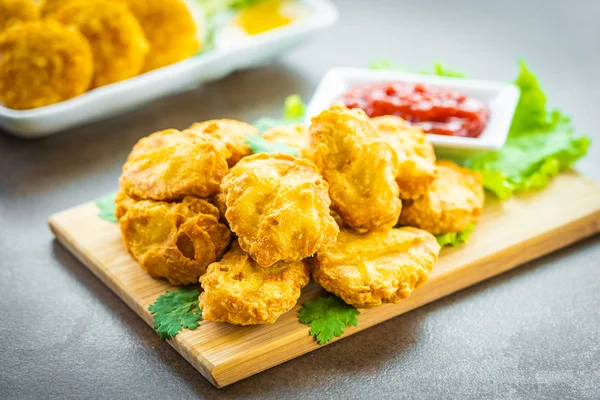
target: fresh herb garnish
<point>438,69</point>
<point>175,311</point>
<point>106,206</point>
<point>327,317</point>
<point>541,143</point>
<point>452,239</point>
<point>259,145</point>
<point>292,113</point>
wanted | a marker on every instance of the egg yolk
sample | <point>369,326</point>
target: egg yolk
<point>263,17</point>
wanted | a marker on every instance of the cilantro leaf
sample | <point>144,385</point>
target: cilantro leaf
<point>106,206</point>
<point>175,311</point>
<point>327,317</point>
<point>259,145</point>
<point>452,239</point>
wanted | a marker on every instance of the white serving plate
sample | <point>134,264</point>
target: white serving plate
<point>500,97</point>
<point>117,98</point>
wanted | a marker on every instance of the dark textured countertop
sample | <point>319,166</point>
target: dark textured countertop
<point>530,333</point>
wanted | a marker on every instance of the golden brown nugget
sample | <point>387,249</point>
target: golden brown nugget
<point>16,11</point>
<point>239,291</point>
<point>359,167</point>
<point>295,137</point>
<point>366,270</point>
<point>117,40</point>
<point>42,63</point>
<point>170,164</point>
<point>122,203</point>
<point>176,241</point>
<point>229,134</point>
<point>453,202</point>
<point>170,29</point>
<point>218,200</point>
<point>49,7</point>
<point>278,207</point>
<point>416,168</point>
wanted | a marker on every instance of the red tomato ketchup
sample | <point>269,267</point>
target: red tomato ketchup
<point>435,110</point>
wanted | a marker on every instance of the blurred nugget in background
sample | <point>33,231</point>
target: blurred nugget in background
<point>117,39</point>
<point>126,38</point>
<point>15,11</point>
<point>41,63</point>
<point>169,27</point>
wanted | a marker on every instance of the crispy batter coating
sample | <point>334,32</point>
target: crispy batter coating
<point>278,206</point>
<point>116,37</point>
<point>122,203</point>
<point>359,167</point>
<point>42,63</point>
<point>294,136</point>
<point>229,134</point>
<point>49,7</point>
<point>218,200</point>
<point>451,204</point>
<point>170,29</point>
<point>15,11</point>
<point>176,241</point>
<point>416,159</point>
<point>366,270</point>
<point>239,291</point>
<point>170,164</point>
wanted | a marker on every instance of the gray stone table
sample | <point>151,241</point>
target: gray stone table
<point>531,333</point>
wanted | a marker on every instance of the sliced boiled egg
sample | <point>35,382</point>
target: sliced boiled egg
<point>259,18</point>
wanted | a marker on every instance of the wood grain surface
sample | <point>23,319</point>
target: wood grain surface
<point>509,234</point>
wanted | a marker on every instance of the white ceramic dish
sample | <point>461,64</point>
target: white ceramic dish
<point>500,97</point>
<point>110,100</point>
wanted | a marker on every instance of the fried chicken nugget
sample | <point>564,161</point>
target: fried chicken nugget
<point>49,7</point>
<point>416,158</point>
<point>170,164</point>
<point>170,29</point>
<point>122,203</point>
<point>229,134</point>
<point>453,202</point>
<point>15,11</point>
<point>366,270</point>
<point>359,167</point>
<point>278,206</point>
<point>42,63</point>
<point>117,39</point>
<point>239,291</point>
<point>176,241</point>
<point>294,136</point>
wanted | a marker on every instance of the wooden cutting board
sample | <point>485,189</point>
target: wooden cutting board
<point>510,233</point>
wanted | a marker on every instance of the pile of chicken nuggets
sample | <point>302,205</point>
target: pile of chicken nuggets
<point>357,210</point>
<point>54,50</point>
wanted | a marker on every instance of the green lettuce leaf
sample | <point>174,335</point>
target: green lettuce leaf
<point>541,143</point>
<point>529,161</point>
<point>292,113</point>
<point>259,145</point>
<point>452,239</point>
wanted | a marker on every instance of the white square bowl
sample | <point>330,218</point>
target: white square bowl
<point>501,98</point>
